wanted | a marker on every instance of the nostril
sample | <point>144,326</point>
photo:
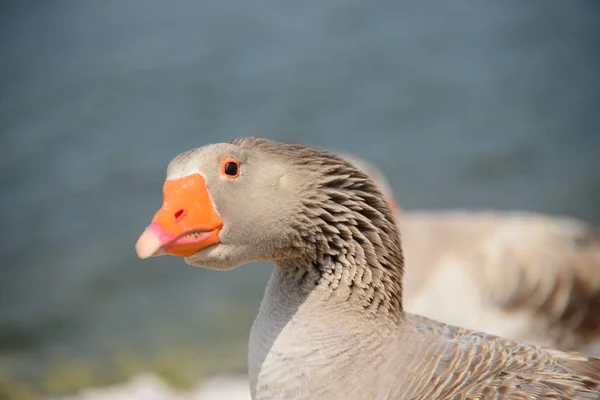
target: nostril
<point>178,214</point>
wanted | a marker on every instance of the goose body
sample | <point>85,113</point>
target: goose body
<point>520,275</point>
<point>332,324</point>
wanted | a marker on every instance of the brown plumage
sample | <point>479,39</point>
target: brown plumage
<point>331,324</point>
<point>520,275</point>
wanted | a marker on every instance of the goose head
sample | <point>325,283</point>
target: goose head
<point>225,205</point>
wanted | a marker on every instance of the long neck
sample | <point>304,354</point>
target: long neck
<point>356,265</point>
<point>349,246</point>
<point>338,292</point>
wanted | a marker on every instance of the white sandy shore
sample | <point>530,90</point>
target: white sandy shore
<point>151,387</point>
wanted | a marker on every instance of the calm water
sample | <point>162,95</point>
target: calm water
<point>462,104</point>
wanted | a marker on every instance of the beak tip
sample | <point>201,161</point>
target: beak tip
<point>148,244</point>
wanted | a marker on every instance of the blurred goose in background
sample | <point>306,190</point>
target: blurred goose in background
<point>332,324</point>
<point>521,275</point>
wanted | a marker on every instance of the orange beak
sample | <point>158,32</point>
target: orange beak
<point>186,223</point>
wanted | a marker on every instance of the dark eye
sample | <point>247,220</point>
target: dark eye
<point>231,168</point>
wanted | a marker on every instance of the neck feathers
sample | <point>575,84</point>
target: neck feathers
<point>351,241</point>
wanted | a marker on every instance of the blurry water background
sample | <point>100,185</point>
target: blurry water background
<point>476,104</point>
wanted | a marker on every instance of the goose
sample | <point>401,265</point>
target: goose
<point>331,324</point>
<point>521,275</point>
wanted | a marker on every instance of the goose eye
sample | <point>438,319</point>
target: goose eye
<point>231,168</point>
